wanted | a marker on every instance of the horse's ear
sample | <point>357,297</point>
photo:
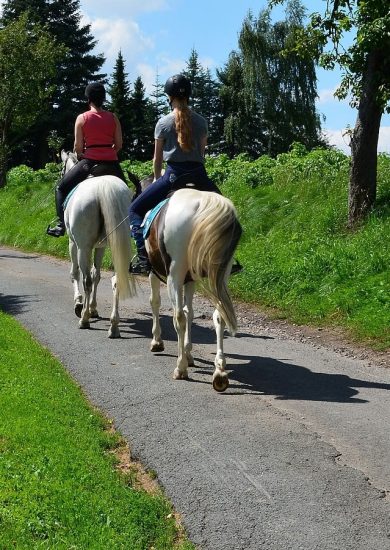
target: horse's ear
<point>63,155</point>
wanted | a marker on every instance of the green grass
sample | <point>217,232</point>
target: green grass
<point>298,255</point>
<point>59,487</point>
<point>299,258</point>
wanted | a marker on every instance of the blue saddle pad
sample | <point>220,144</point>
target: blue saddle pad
<point>148,220</point>
<point>68,197</point>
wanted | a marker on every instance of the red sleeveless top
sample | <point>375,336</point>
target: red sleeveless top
<point>99,131</point>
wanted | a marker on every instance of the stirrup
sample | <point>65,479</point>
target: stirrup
<point>236,268</point>
<point>139,266</point>
<point>57,231</point>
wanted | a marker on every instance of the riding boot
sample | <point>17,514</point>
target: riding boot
<point>59,229</point>
<point>140,264</point>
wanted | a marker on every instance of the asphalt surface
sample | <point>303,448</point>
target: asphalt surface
<point>294,455</point>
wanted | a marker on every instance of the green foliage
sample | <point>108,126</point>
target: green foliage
<point>298,254</point>
<point>77,66</point>
<point>141,123</point>
<point>59,488</point>
<point>281,85</point>
<point>370,21</point>
<point>119,91</point>
<point>205,99</point>
<point>28,57</point>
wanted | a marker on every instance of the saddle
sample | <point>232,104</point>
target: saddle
<point>154,224</point>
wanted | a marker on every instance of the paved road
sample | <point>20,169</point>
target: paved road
<point>294,455</point>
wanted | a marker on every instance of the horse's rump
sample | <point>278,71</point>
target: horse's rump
<point>96,216</point>
<point>200,231</point>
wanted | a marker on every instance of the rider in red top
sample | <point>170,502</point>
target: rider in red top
<point>98,138</point>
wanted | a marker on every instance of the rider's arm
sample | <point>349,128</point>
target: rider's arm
<point>118,135</point>
<point>78,136</point>
<point>158,158</point>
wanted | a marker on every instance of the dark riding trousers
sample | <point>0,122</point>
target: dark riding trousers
<point>160,189</point>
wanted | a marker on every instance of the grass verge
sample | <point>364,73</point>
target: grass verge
<point>63,479</point>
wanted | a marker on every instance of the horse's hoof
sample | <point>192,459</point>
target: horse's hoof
<point>178,375</point>
<point>114,333</point>
<point>78,308</point>
<point>220,382</point>
<point>84,324</point>
<point>157,346</point>
<point>94,315</point>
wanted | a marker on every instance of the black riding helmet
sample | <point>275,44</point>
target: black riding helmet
<point>178,86</point>
<point>95,92</point>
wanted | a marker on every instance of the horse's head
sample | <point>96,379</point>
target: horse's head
<point>68,161</point>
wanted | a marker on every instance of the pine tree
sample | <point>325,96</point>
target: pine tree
<point>119,92</point>
<point>77,68</point>
<point>142,123</point>
<point>205,99</point>
<point>196,74</point>
<point>158,100</point>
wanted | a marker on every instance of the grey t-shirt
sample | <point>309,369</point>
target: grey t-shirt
<point>165,129</point>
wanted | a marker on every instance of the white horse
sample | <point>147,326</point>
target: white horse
<point>194,239</point>
<point>96,217</point>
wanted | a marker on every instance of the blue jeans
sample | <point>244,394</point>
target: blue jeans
<point>160,189</point>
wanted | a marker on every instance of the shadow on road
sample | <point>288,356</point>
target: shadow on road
<point>13,304</point>
<point>288,381</point>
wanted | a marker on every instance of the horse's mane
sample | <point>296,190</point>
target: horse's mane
<point>73,156</point>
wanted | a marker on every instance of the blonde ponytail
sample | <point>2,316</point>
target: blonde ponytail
<point>183,125</point>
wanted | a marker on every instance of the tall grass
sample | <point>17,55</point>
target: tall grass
<point>298,255</point>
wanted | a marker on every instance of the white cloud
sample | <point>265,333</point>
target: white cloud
<point>384,139</point>
<point>340,139</point>
<point>167,66</point>
<point>119,34</point>
<point>326,95</point>
<point>148,75</point>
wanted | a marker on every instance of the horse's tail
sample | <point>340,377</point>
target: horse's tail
<point>114,199</point>
<point>216,232</point>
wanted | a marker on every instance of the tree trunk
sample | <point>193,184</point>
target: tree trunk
<point>364,147</point>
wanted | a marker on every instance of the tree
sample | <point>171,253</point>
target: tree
<point>238,119</point>
<point>142,123</point>
<point>366,76</point>
<point>28,57</point>
<point>282,85</point>
<point>205,98</point>
<point>158,100</point>
<point>196,74</point>
<point>119,92</point>
<point>78,67</point>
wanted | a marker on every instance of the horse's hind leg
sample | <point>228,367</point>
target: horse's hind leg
<point>75,278</point>
<point>113,331</point>
<point>220,377</point>
<point>155,302</point>
<point>189,289</point>
<point>84,259</point>
<point>95,274</point>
